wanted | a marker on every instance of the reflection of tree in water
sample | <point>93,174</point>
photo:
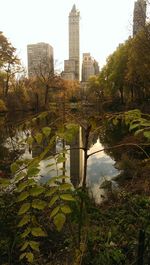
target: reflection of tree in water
<point>12,150</point>
<point>111,135</point>
<point>9,147</point>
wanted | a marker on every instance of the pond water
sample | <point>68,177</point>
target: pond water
<point>100,165</point>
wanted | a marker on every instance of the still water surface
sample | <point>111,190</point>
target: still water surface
<point>100,165</point>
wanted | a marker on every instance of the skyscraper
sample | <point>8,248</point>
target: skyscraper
<point>139,16</point>
<point>89,67</point>
<point>40,59</point>
<point>72,66</point>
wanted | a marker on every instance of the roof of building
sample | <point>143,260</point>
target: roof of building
<point>74,8</point>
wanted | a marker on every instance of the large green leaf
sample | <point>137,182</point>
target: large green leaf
<point>32,182</point>
<point>65,186</point>
<point>54,211</point>
<point>145,123</point>
<point>115,121</point>
<point>53,200</point>
<point>22,256</point>
<point>39,138</point>
<point>20,176</point>
<point>72,127</point>
<point>52,180</point>
<point>25,245</point>
<point>138,131</point>
<point>14,167</point>
<point>65,209</point>
<point>34,245</point>
<point>33,171</point>
<point>147,134</point>
<point>134,126</point>
<point>63,177</point>
<point>24,220</point>
<point>35,191</point>
<point>23,196</point>
<point>61,159</point>
<point>67,197</point>
<point>26,232</point>
<point>37,231</point>
<point>24,208</point>
<point>68,136</point>
<point>51,191</point>
<point>4,182</point>
<point>38,204</point>
<point>59,221</point>
<point>22,186</point>
<point>30,140</point>
<point>46,131</point>
<point>29,257</point>
<point>50,165</point>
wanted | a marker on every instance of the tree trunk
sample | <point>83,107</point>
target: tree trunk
<point>37,102</point>
<point>121,95</point>
<point>87,133</point>
<point>6,86</point>
<point>46,94</point>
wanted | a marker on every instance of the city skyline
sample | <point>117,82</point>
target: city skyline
<point>103,26</point>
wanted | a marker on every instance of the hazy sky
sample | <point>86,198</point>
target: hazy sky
<point>103,25</point>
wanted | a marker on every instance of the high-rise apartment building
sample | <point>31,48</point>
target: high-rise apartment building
<point>89,67</point>
<point>72,65</point>
<point>139,16</point>
<point>40,59</point>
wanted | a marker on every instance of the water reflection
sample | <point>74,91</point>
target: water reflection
<point>100,166</point>
<point>76,159</point>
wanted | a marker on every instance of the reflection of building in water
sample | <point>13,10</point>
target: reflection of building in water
<point>76,159</point>
<point>76,156</point>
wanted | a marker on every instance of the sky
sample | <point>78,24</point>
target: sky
<point>103,25</point>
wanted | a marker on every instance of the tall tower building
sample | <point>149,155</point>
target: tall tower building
<point>74,42</point>
<point>89,67</point>
<point>72,66</point>
<point>40,59</point>
<point>139,16</point>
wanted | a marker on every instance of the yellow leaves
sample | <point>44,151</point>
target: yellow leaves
<point>28,255</point>
<point>67,197</point>
<point>38,204</point>
<point>25,220</point>
<point>59,221</point>
<point>53,200</point>
<point>54,211</point>
<point>37,190</point>
<point>23,196</point>
<point>24,208</point>
<point>65,209</point>
<point>46,131</point>
<point>38,232</point>
<point>39,138</point>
